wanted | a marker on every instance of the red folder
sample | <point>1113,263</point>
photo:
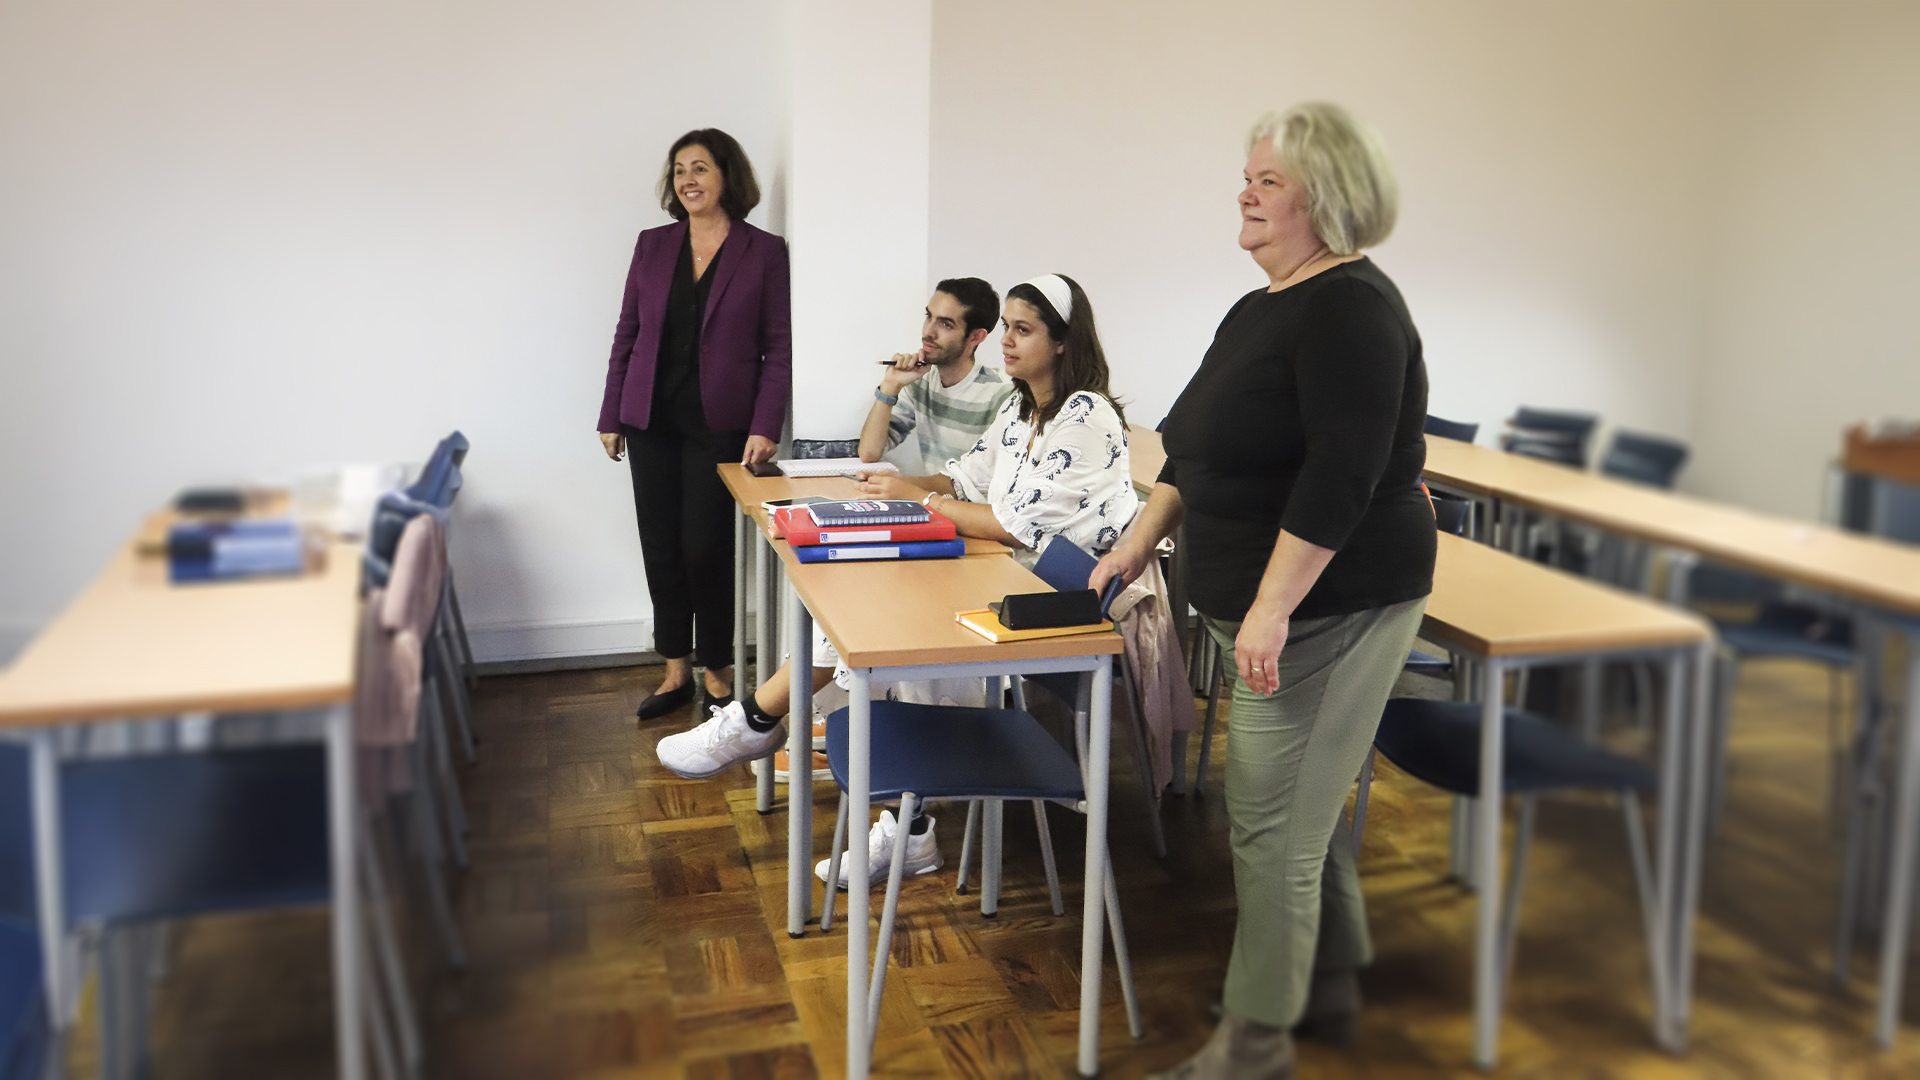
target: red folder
<point>798,528</point>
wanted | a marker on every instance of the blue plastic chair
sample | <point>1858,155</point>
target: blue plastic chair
<point>152,837</point>
<point>919,753</point>
<point>1451,429</point>
<point>26,1030</point>
<point>448,644</point>
<point>1438,743</point>
<point>437,486</point>
<point>1645,459</point>
<point>1550,436</point>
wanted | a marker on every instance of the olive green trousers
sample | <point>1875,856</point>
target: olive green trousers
<point>1291,760</point>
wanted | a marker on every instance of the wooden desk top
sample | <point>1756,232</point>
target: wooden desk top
<point>132,645</point>
<point>1145,456</point>
<point>888,614</point>
<point>1880,573</point>
<point>750,491</point>
<point>1494,604</point>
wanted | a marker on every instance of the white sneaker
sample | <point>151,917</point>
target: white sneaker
<point>923,855</point>
<point>726,739</point>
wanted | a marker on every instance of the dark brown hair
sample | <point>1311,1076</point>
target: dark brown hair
<point>739,191</point>
<point>1082,364</point>
<point>977,299</point>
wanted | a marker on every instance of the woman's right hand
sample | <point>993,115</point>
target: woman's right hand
<point>615,443</point>
<point>1126,561</point>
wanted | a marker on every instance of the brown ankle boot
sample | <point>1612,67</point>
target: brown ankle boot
<point>1333,1008</point>
<point>1240,1049</point>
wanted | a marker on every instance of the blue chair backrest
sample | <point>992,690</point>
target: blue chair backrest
<point>25,1034</point>
<point>439,479</point>
<point>390,517</point>
<point>1647,459</point>
<point>17,892</point>
<point>166,835</point>
<point>1451,429</point>
<point>1550,436</point>
<point>1451,515</point>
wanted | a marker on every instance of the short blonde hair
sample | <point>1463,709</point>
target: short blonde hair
<point>1352,197</point>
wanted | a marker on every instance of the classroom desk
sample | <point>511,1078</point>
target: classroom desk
<point>1881,576</point>
<point>1510,613</point>
<point>1145,457</point>
<point>894,621</point>
<point>1878,573</point>
<point>133,647</point>
<point>748,492</point>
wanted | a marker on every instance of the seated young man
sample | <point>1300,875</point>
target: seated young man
<point>932,405</point>
<point>1052,463</point>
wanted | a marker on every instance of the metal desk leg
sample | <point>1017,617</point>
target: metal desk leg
<point>1906,833</point>
<point>348,950</point>
<point>859,799</point>
<point>1486,842</point>
<point>767,624</point>
<point>1693,844</point>
<point>1092,929</point>
<point>800,763</point>
<point>739,604</point>
<point>763,771</point>
<point>1674,725</point>
<point>62,980</point>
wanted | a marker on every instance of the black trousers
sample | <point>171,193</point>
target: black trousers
<point>686,533</point>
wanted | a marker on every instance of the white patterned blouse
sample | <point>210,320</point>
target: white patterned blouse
<point>1072,481</point>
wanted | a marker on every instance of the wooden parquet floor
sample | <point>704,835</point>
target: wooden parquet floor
<point>623,922</point>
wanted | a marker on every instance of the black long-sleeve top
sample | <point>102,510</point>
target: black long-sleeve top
<point>1306,415</point>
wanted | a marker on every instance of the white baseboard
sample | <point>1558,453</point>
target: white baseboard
<point>565,639</point>
<point>505,642</point>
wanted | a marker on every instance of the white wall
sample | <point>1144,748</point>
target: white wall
<point>1815,280</point>
<point>859,99</point>
<point>1548,245</point>
<point>237,240</point>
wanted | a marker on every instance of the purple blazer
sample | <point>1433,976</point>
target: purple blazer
<point>746,338</point>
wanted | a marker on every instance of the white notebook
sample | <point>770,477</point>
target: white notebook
<point>838,466</point>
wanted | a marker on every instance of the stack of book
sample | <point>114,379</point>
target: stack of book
<point>867,529</point>
<point>216,550</point>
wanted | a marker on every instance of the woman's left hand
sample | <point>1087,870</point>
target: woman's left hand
<point>1256,651</point>
<point>759,449</point>
<point>889,486</point>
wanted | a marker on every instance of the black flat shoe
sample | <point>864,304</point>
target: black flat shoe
<point>712,702</point>
<point>658,705</point>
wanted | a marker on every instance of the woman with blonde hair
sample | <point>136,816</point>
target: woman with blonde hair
<point>1294,458</point>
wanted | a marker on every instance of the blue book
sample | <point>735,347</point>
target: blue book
<point>912,549</point>
<point>1066,566</point>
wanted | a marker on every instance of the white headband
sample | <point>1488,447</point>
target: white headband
<point>1055,289</point>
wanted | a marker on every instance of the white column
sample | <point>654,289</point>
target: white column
<point>859,93</point>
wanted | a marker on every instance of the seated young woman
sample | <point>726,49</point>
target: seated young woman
<point>1052,463</point>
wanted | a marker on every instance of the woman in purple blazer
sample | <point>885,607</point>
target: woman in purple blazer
<point>698,377</point>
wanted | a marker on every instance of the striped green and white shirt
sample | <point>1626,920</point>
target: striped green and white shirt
<point>934,424</point>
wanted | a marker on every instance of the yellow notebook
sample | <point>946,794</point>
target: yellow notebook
<point>985,623</point>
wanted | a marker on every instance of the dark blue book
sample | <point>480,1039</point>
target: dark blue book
<point>1066,566</point>
<point>912,549</point>
<point>868,512</point>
